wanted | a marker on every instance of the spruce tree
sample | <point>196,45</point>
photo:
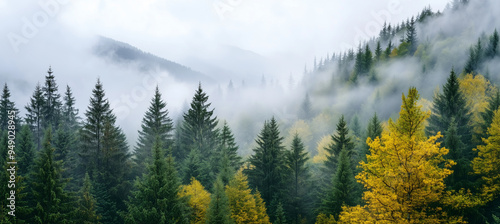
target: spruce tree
<point>268,161</point>
<point>448,105</point>
<point>378,52</point>
<point>279,215</point>
<point>34,115</point>
<point>7,105</point>
<point>199,131</point>
<point>195,167</point>
<point>487,115</point>
<point>492,49</point>
<point>52,107</point>
<point>25,151</point>
<point>388,51</point>
<point>342,187</point>
<point>155,122</point>
<point>305,111</point>
<point>218,210</point>
<point>373,131</point>
<point>228,147</point>
<point>52,202</point>
<point>86,204</point>
<point>156,198</point>
<point>367,59</point>
<point>411,36</point>
<point>298,188</point>
<point>340,140</point>
<point>69,114</point>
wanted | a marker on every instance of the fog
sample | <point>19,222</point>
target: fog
<point>260,46</point>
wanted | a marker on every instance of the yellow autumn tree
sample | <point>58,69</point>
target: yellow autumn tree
<point>403,173</point>
<point>476,89</point>
<point>244,206</point>
<point>301,128</point>
<point>487,163</point>
<point>320,157</point>
<point>199,199</point>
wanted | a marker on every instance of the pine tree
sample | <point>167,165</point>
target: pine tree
<point>52,202</point>
<point>487,115</point>
<point>199,131</point>
<point>195,167</point>
<point>228,147</point>
<point>298,190</point>
<point>404,173</point>
<point>388,51</point>
<point>268,162</point>
<point>367,59</point>
<point>378,52</point>
<point>5,106</point>
<point>156,198</point>
<point>279,215</point>
<point>411,36</point>
<point>373,131</point>
<point>218,210</point>
<point>155,123</point>
<point>86,204</point>
<point>342,188</point>
<point>52,107</point>
<point>34,116</point>
<point>69,114</point>
<point>340,140</point>
<point>25,150</point>
<point>492,49</point>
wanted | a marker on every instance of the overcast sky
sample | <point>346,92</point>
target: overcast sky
<point>292,30</point>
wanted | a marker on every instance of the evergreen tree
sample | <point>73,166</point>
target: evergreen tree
<point>157,199</point>
<point>228,147</point>
<point>34,116</point>
<point>373,131</point>
<point>492,49</point>
<point>195,167</point>
<point>69,114</point>
<point>25,151</point>
<point>52,202</point>
<point>298,188</point>
<point>378,52</point>
<point>279,214</point>
<point>218,210</point>
<point>52,108</point>
<point>340,140</point>
<point>388,51</point>
<point>5,106</point>
<point>199,131</point>
<point>411,36</point>
<point>342,188</point>
<point>268,162</point>
<point>155,123</point>
<point>487,115</point>
<point>355,126</point>
<point>367,59</point>
<point>86,204</point>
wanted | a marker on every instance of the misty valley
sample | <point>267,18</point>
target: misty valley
<point>402,128</point>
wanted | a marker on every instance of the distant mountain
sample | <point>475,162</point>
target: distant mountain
<point>120,52</point>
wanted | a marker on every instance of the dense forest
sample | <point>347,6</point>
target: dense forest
<point>435,160</point>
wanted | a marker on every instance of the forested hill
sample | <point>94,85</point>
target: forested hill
<point>123,53</point>
<point>403,129</point>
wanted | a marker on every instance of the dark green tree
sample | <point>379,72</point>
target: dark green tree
<point>199,131</point>
<point>279,214</point>
<point>299,186</point>
<point>25,151</point>
<point>219,211</point>
<point>367,59</point>
<point>52,107</point>
<point>268,163</point>
<point>34,115</point>
<point>156,198</point>
<point>373,131</point>
<point>388,50</point>
<point>411,36</point>
<point>51,200</point>
<point>155,122</point>
<point>341,140</point>
<point>492,49</point>
<point>86,210</point>
<point>228,147</point>
<point>342,191</point>
<point>487,115</point>
<point>378,52</point>
<point>7,105</point>
<point>69,113</point>
<point>195,167</point>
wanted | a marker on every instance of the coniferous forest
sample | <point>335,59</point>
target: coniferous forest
<point>430,156</point>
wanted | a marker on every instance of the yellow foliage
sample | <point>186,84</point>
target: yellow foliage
<point>320,157</point>
<point>322,123</point>
<point>199,199</point>
<point>301,128</point>
<point>244,207</point>
<point>323,219</point>
<point>403,173</point>
<point>476,90</point>
<point>487,163</point>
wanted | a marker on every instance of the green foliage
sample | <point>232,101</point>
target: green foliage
<point>7,105</point>
<point>218,210</point>
<point>268,164</point>
<point>34,115</point>
<point>155,123</point>
<point>51,110</point>
<point>341,140</point>
<point>487,115</point>
<point>227,147</point>
<point>156,198</point>
<point>86,204</point>
<point>25,150</point>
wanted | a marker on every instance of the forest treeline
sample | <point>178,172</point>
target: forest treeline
<point>427,166</point>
